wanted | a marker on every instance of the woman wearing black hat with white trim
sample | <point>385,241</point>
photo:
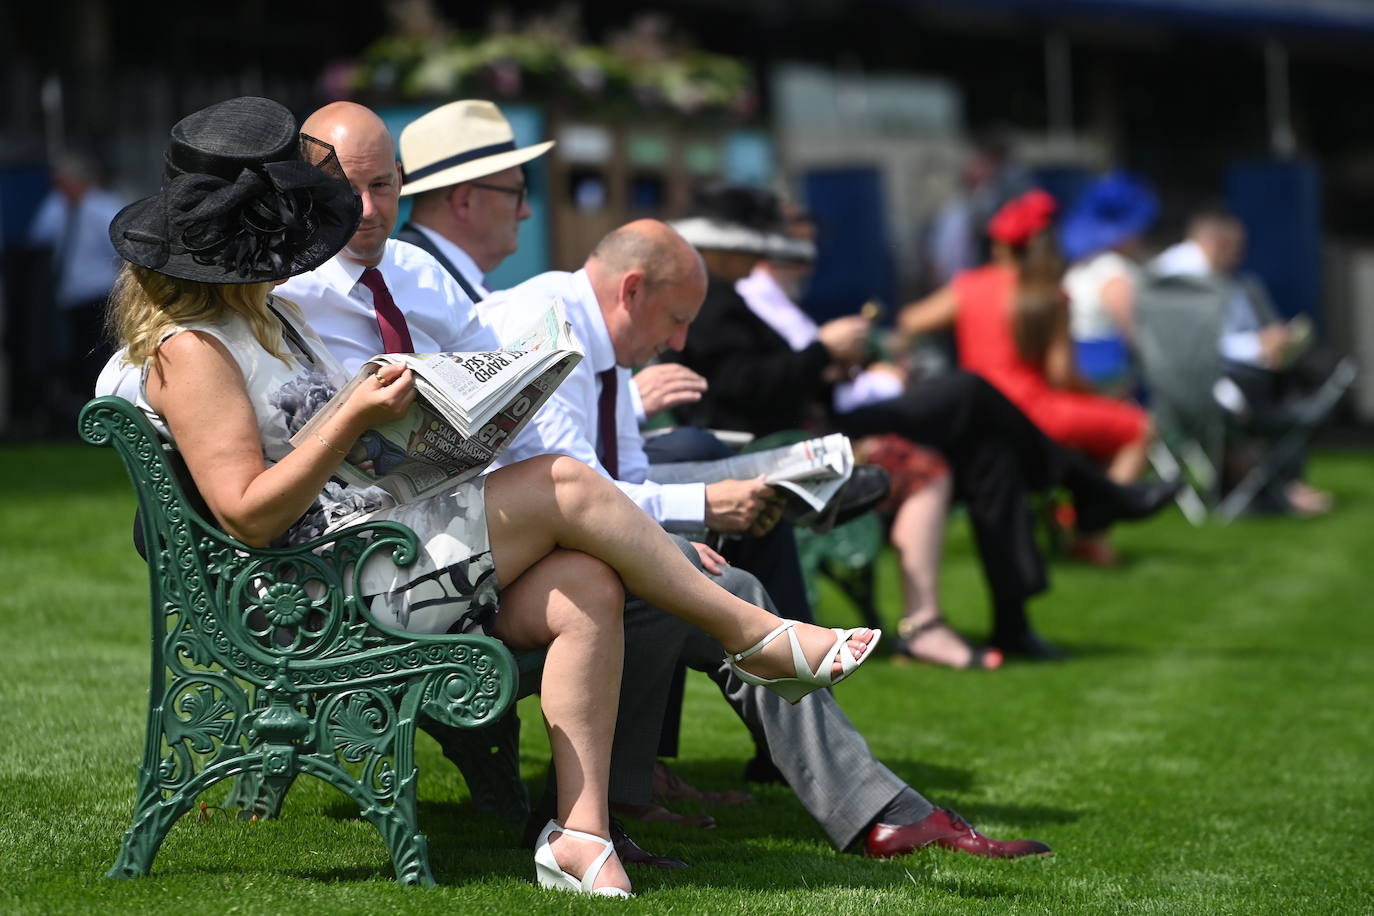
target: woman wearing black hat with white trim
<point>536,553</point>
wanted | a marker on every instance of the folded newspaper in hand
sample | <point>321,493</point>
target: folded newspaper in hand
<point>812,471</point>
<point>468,406</point>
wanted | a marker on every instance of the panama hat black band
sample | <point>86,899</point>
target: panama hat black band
<point>460,158</point>
<point>460,142</point>
<point>244,199</point>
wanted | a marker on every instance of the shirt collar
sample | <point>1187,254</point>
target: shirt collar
<point>342,272</point>
<point>1187,258</point>
<point>600,350</point>
<point>770,302</point>
<point>458,257</point>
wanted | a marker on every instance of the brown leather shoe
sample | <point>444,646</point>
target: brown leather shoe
<point>670,787</point>
<point>631,853</point>
<point>657,814</point>
<point>949,830</point>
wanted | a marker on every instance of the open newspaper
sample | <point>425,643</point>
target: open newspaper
<point>468,406</point>
<point>812,472</point>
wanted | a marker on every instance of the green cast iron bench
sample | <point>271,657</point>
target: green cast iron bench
<point>266,665</point>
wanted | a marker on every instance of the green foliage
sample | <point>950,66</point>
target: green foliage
<point>1207,750</point>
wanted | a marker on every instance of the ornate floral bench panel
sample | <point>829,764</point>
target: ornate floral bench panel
<point>267,664</point>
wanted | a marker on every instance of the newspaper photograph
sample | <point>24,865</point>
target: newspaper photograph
<point>813,471</point>
<point>468,406</point>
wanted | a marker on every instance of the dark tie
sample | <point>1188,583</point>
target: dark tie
<point>607,447</point>
<point>390,321</point>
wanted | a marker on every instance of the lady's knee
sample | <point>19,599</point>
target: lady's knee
<point>574,481</point>
<point>593,587</point>
<point>1147,431</point>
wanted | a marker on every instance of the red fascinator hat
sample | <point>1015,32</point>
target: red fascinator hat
<point>1022,217</point>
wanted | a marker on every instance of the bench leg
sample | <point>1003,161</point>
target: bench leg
<point>155,814</point>
<point>144,837</point>
<point>366,749</point>
<point>191,743</point>
<point>254,796</point>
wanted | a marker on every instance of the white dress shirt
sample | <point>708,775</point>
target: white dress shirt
<point>439,314</point>
<point>339,306</point>
<point>770,302</point>
<point>459,259</point>
<point>568,422</point>
<point>1240,324</point>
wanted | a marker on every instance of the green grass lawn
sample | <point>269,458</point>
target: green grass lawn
<point>1209,748</point>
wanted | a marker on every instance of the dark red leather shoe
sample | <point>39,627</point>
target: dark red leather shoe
<point>947,829</point>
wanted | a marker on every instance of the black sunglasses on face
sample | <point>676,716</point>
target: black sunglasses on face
<point>522,192</point>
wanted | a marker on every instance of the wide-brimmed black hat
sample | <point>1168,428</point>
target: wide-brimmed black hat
<point>744,219</point>
<point>245,198</point>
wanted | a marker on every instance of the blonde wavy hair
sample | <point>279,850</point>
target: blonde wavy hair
<point>145,305</point>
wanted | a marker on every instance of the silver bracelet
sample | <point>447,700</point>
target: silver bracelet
<point>325,442</point>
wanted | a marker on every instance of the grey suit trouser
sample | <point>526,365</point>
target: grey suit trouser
<point>824,759</point>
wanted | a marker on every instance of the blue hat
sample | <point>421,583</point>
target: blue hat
<point>1113,209</point>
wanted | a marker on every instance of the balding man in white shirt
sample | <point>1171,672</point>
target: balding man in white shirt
<point>635,297</point>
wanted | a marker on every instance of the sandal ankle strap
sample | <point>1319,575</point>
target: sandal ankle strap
<point>594,869</point>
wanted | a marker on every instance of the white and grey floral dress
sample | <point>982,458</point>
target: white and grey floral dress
<point>452,585</point>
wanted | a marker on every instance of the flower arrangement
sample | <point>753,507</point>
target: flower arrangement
<point>545,61</point>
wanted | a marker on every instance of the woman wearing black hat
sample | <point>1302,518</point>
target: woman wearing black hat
<point>535,553</point>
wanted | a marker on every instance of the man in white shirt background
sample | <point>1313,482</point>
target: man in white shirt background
<point>1270,361</point>
<point>635,297</point>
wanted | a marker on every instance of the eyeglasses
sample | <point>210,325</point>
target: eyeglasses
<point>522,193</point>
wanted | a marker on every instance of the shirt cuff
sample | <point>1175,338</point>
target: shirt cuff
<point>683,504</point>
<point>637,402</point>
<point>1241,347</point>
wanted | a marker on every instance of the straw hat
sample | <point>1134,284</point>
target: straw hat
<point>459,142</point>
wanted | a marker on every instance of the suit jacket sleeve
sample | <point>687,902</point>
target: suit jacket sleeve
<point>752,372</point>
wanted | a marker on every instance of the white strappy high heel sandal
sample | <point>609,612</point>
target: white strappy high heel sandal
<point>548,873</point>
<point>792,689</point>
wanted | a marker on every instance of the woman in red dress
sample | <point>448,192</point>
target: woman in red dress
<point>1011,321</point>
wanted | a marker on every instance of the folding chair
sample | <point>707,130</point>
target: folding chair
<point>1305,416</point>
<point>1178,324</point>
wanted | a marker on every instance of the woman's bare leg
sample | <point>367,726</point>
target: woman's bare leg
<point>537,505</point>
<point>918,534</point>
<point>1129,463</point>
<point>572,604</point>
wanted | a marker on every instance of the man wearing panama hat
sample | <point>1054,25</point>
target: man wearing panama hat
<point>461,165</point>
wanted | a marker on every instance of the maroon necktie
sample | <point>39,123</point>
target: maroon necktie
<point>605,423</point>
<point>390,321</point>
